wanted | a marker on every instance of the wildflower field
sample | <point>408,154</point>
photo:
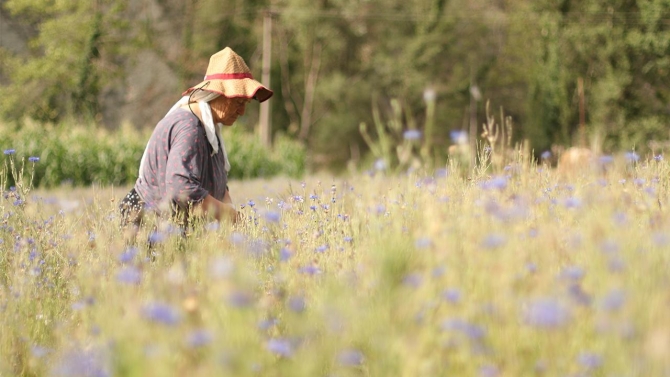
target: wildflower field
<point>517,273</point>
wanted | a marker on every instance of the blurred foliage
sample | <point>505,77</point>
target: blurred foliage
<point>336,61</point>
<point>83,155</point>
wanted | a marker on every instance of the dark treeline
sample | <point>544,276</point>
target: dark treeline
<point>555,67</point>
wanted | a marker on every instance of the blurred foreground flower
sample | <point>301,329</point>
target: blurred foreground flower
<point>350,358</point>
<point>161,313</point>
<point>280,346</point>
<point>546,313</point>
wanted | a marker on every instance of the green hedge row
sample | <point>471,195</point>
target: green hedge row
<point>83,155</point>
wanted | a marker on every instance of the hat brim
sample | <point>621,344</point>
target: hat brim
<point>237,88</point>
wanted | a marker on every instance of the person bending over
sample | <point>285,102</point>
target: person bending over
<point>184,169</point>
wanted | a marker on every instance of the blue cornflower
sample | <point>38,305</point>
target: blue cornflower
<point>412,135</point>
<point>272,216</point>
<point>350,358</point>
<point>590,360</point>
<point>658,157</point>
<point>578,295</point>
<point>494,241</point>
<point>380,165</point>
<point>489,371</point>
<point>423,243</point>
<point>413,280</point>
<point>285,254</point>
<point>279,346</point>
<point>498,182</point>
<point>156,237</point>
<point>545,155</point>
<point>605,160</point>
<point>348,239</point>
<point>251,203</point>
<point>452,295</point>
<point>459,137</point>
<point>199,338</point>
<point>322,248</point>
<point>33,159</point>
<point>161,313</point>
<point>614,300</point>
<point>545,313</point>
<point>632,157</point>
<point>10,151</point>
<point>79,362</point>
<point>297,304</point>
<point>310,270</point>
<point>128,255</point>
<point>239,299</point>
<point>572,202</point>
<point>574,273</point>
<point>129,275</point>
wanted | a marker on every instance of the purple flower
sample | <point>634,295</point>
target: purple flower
<point>380,165</point>
<point>499,183</point>
<point>350,358</point>
<point>413,280</point>
<point>128,255</point>
<point>494,241</point>
<point>267,324</point>
<point>632,157</point>
<point>605,160</point>
<point>251,203</point>
<point>272,217</point>
<point>574,273</point>
<point>78,362</point>
<point>614,300</point>
<point>572,202</point>
<point>412,135</point>
<point>33,159</point>
<point>471,330</point>
<point>285,254</point>
<point>545,313</point>
<point>297,304</point>
<point>322,248</point>
<point>348,239</point>
<point>459,137</point>
<point>452,295</point>
<point>658,157</point>
<point>129,275</point>
<point>489,371</point>
<point>199,338</point>
<point>280,346</point>
<point>590,360</point>
<point>156,237</point>
<point>212,227</point>
<point>10,151</point>
<point>423,243</point>
<point>161,313</point>
<point>237,238</point>
<point>578,295</point>
<point>545,155</point>
<point>310,270</point>
<point>240,299</point>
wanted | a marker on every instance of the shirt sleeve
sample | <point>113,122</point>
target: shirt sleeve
<point>186,160</point>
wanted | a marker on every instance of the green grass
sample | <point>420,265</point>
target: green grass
<point>385,276</point>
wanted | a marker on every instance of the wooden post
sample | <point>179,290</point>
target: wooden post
<point>582,112</point>
<point>265,120</point>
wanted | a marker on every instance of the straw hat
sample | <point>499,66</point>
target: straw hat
<point>228,75</point>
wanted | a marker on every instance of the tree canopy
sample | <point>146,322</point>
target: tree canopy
<point>558,68</point>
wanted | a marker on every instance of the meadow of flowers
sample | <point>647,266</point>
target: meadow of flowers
<point>516,273</point>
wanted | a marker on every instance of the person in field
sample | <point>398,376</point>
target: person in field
<point>184,169</point>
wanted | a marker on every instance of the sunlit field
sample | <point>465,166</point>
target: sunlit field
<point>521,273</point>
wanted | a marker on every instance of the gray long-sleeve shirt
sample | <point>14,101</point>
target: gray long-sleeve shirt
<point>180,168</point>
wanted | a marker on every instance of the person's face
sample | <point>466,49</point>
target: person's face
<point>226,110</point>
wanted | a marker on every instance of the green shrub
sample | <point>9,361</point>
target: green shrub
<point>83,155</point>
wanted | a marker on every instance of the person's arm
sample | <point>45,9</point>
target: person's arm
<point>220,210</point>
